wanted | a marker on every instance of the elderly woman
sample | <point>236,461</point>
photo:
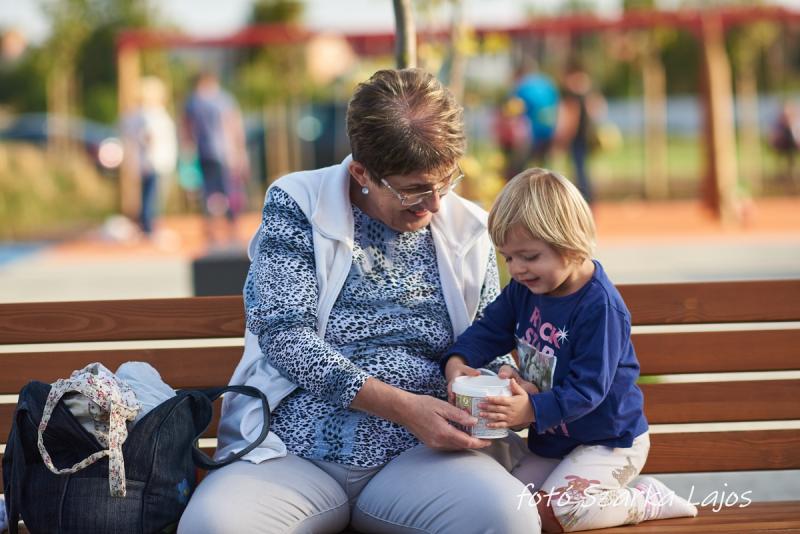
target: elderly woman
<point>363,274</point>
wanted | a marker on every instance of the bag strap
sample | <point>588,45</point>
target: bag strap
<point>201,459</point>
<point>106,393</point>
<point>15,477</point>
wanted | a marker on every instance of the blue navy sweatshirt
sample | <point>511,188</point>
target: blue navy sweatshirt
<point>577,350</point>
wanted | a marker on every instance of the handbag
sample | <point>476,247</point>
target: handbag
<point>160,455</point>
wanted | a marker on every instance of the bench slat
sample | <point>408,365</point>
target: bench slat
<point>179,367</point>
<point>702,402</point>
<point>204,317</point>
<point>740,450</point>
<point>122,320</point>
<point>718,352</point>
<point>713,302</point>
<point>781,516</point>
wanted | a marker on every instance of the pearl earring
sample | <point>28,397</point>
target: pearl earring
<point>365,190</point>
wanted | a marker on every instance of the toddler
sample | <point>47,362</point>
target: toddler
<point>575,388</point>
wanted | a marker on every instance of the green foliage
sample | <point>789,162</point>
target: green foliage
<point>682,58</point>
<point>578,6</point>
<point>276,11</point>
<point>96,58</point>
<point>22,86</point>
<point>274,73</point>
<point>630,5</point>
<point>97,75</point>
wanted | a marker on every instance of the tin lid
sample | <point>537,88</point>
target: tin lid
<point>482,386</point>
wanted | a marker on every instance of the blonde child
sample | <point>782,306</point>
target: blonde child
<point>576,384</point>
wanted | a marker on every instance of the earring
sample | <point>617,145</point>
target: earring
<point>365,190</point>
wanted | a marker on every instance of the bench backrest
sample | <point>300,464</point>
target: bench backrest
<point>680,411</point>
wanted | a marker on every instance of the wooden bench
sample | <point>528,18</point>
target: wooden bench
<point>747,344</point>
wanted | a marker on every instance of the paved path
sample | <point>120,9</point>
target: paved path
<point>638,242</point>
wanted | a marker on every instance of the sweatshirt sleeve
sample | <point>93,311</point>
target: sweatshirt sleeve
<point>490,336</point>
<point>600,332</point>
<point>281,296</point>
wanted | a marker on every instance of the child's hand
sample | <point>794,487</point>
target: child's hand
<point>508,412</point>
<point>456,366</point>
<point>507,371</point>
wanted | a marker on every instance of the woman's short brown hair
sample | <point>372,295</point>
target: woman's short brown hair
<point>405,121</point>
<point>547,206</point>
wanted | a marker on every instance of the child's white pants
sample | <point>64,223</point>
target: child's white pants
<point>588,488</point>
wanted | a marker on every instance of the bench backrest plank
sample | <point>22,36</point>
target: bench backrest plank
<point>121,320</point>
<point>713,302</point>
<point>752,347</point>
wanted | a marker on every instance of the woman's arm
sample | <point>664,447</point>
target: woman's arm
<point>281,297</point>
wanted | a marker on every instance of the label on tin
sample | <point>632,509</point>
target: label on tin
<point>480,430</point>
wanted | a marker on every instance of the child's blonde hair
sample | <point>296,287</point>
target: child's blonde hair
<point>550,208</point>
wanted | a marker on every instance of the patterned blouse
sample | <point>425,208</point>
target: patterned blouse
<point>389,322</point>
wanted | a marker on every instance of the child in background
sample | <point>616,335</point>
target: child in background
<point>576,384</point>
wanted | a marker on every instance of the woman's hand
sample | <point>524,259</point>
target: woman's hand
<point>428,418</point>
<point>455,367</point>
<point>509,412</point>
<point>507,371</point>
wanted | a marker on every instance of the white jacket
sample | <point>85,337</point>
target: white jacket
<point>462,252</point>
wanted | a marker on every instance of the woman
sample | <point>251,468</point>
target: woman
<point>363,273</point>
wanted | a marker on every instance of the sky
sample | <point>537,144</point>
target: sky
<point>208,18</point>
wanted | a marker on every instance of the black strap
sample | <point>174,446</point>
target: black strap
<point>201,459</point>
<point>15,459</point>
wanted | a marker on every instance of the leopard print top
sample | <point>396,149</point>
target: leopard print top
<point>389,322</point>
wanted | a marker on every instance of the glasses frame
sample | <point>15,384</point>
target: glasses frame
<point>418,198</point>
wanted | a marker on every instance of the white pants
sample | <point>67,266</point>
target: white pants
<point>420,491</point>
<point>588,488</point>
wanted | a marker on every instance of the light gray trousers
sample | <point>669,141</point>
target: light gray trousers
<point>420,491</point>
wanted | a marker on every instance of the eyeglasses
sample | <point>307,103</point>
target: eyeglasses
<point>412,199</point>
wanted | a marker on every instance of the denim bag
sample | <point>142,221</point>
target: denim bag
<point>160,455</point>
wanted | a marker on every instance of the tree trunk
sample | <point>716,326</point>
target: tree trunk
<point>722,173</point>
<point>458,37</point>
<point>749,132</point>
<point>656,185</point>
<point>405,35</point>
<point>128,71</point>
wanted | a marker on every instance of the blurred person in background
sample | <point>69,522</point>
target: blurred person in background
<point>362,275</point>
<point>784,137</point>
<point>213,128</point>
<point>540,95</point>
<point>151,143</point>
<point>579,111</point>
<point>512,131</point>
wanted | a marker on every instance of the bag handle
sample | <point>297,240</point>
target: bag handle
<point>14,477</point>
<point>100,386</point>
<point>201,459</point>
